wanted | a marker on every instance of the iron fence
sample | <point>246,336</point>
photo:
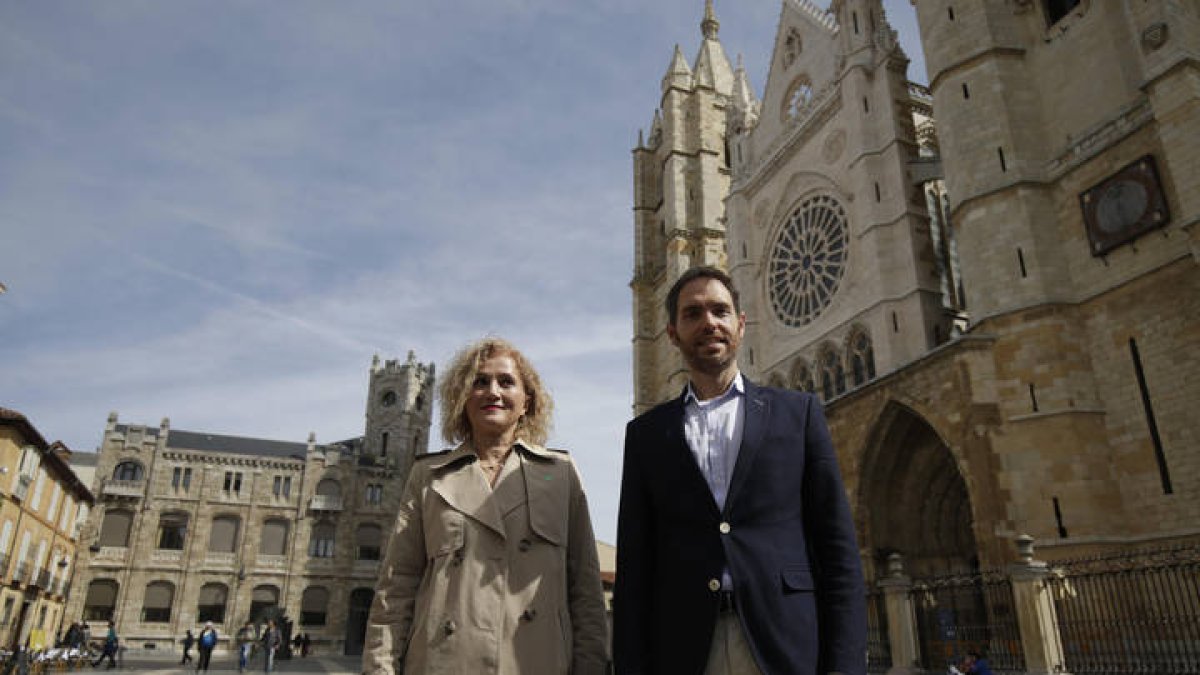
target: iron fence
<point>964,613</point>
<point>1134,612</point>
<point>879,651</point>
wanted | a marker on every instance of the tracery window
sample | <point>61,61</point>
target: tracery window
<point>799,96</point>
<point>833,376</point>
<point>802,379</point>
<point>808,260</point>
<point>862,358</point>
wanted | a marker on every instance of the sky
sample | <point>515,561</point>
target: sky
<point>218,211</point>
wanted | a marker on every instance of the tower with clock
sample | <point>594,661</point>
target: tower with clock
<point>399,411</point>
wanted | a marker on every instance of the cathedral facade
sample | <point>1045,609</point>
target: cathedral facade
<point>192,527</point>
<point>991,282</point>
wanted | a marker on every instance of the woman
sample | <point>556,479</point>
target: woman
<point>491,567</point>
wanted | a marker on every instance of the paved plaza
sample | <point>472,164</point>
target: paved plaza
<point>165,664</point>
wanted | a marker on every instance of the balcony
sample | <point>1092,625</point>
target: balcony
<point>271,562</point>
<point>219,560</point>
<point>111,554</point>
<point>123,488</point>
<point>166,556</point>
<point>325,503</point>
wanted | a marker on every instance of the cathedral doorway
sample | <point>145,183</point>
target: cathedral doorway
<point>913,499</point>
<point>356,620</point>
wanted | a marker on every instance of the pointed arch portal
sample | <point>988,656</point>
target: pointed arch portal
<point>913,499</point>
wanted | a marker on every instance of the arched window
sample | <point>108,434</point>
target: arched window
<point>833,377</point>
<point>156,607</point>
<point>368,540</point>
<point>263,598</point>
<point>128,470</point>
<point>114,529</point>
<point>211,605</point>
<point>322,542</point>
<point>274,537</point>
<point>172,530</point>
<point>313,606</point>
<point>862,358</point>
<point>802,379</point>
<point>329,487</point>
<point>224,535</point>
<point>101,600</point>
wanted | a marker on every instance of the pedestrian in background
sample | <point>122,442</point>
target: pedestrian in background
<point>110,647</point>
<point>188,641</point>
<point>736,552</point>
<point>207,640</point>
<point>245,642</point>
<point>271,642</point>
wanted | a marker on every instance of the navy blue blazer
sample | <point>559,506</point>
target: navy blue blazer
<point>790,545</point>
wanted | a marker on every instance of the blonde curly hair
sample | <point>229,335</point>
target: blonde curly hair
<point>534,426</point>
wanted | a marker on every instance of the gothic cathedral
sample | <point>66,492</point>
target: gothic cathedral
<point>991,282</point>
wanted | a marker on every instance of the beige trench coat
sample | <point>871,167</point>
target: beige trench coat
<point>499,580</point>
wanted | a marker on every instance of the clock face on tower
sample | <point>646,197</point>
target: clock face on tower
<point>808,261</point>
<point>1124,206</point>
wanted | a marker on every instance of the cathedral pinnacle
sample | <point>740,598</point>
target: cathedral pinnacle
<point>709,26</point>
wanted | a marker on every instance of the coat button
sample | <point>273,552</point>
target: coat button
<point>714,585</point>
<point>449,627</point>
<point>529,614</point>
<point>458,557</point>
<point>724,528</point>
<point>525,545</point>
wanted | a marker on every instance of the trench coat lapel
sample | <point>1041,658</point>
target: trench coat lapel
<point>547,488</point>
<point>757,408</point>
<point>457,481</point>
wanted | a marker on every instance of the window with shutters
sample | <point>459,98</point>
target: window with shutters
<point>100,601</point>
<point>156,607</point>
<point>224,535</point>
<point>211,604</point>
<point>313,606</point>
<point>368,541</point>
<point>274,537</point>
<point>114,529</point>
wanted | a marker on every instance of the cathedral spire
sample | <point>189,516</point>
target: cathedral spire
<point>709,26</point>
<point>678,73</point>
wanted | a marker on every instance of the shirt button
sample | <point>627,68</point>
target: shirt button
<point>714,585</point>
<point>524,545</point>
<point>724,528</point>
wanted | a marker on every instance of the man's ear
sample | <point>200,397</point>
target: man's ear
<point>672,335</point>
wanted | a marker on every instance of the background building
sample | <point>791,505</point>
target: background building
<point>194,527</point>
<point>42,504</point>
<point>1010,351</point>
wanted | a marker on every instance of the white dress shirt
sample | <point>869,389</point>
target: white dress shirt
<point>713,430</point>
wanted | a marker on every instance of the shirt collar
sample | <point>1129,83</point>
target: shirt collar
<point>736,388</point>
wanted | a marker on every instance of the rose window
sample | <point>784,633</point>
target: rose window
<point>808,261</point>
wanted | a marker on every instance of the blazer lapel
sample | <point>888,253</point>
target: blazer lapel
<point>757,410</point>
<point>463,488</point>
<point>677,449</point>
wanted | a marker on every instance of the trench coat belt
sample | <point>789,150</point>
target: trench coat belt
<point>726,602</point>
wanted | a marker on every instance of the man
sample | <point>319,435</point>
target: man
<point>271,642</point>
<point>208,641</point>
<point>736,552</point>
<point>245,642</point>
<point>110,647</point>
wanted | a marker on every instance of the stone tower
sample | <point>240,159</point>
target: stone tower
<point>829,235</point>
<point>399,412</point>
<point>681,176</point>
<point>1070,138</point>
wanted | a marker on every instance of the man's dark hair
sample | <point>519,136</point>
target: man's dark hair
<point>693,273</point>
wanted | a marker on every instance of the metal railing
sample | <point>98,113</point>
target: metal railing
<point>879,651</point>
<point>1133,612</point>
<point>964,613</point>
